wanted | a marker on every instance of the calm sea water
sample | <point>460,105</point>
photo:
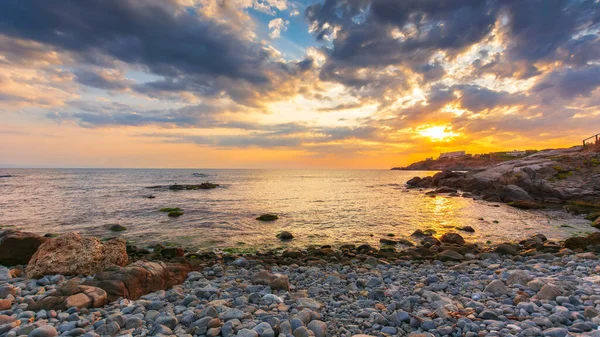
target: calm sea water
<point>317,206</point>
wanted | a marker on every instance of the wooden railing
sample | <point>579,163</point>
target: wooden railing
<point>597,137</point>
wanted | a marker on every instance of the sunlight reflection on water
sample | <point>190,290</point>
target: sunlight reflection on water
<point>317,206</point>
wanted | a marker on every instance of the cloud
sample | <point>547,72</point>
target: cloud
<point>276,26</point>
<point>569,83</point>
<point>187,49</point>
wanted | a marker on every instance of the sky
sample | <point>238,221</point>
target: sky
<point>292,83</point>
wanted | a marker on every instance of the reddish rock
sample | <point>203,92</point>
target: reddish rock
<point>18,247</point>
<point>71,295</point>
<point>140,278</point>
<point>71,254</point>
<point>275,281</point>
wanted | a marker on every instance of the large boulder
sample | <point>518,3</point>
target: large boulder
<point>140,278</point>
<point>71,254</point>
<point>582,242</point>
<point>18,247</point>
<point>510,193</point>
<point>71,295</point>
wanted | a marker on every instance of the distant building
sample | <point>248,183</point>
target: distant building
<point>516,153</point>
<point>455,154</point>
<point>429,158</point>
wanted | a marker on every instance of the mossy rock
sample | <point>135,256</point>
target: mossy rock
<point>267,217</point>
<point>526,204</point>
<point>117,228</point>
<point>430,231</point>
<point>593,216</point>
<point>583,207</point>
<point>170,209</point>
<point>175,214</point>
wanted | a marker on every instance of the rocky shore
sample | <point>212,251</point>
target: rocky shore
<point>76,286</point>
<point>563,178</point>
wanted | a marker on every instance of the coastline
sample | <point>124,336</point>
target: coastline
<point>442,286</point>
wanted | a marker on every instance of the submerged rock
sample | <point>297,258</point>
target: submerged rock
<point>178,187</point>
<point>117,228</point>
<point>285,236</point>
<point>267,217</point>
<point>71,254</point>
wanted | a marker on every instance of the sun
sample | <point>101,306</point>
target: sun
<point>438,133</point>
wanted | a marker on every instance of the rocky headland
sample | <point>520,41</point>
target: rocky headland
<point>562,178</point>
<point>425,286</point>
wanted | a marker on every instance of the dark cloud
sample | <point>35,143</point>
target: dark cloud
<point>476,98</point>
<point>187,49</point>
<point>373,34</point>
<point>342,106</point>
<point>365,33</point>
<point>539,28</point>
<point>102,80</point>
<point>94,115</point>
<point>569,83</point>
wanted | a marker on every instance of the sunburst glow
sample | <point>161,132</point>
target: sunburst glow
<point>438,133</point>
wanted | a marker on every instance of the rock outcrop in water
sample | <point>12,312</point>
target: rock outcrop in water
<point>71,254</point>
<point>178,187</point>
<point>18,247</point>
<point>550,176</point>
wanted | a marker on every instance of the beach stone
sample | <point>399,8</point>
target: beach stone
<point>548,292</point>
<point>309,303</point>
<point>556,332</point>
<point>70,295</point>
<point>275,281</point>
<point>302,332</point>
<point>18,247</point>
<point>518,277</point>
<point>507,249</point>
<point>7,290</point>
<point>140,278</point>
<point>4,319</point>
<point>450,255</point>
<point>232,313</point>
<point>71,254</point>
<point>6,304</point>
<point>319,328</point>
<point>43,331</point>
<point>247,333</point>
<point>452,238</point>
<point>4,274</point>
<point>160,330</point>
<point>497,288</point>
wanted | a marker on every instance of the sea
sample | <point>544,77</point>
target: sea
<point>319,207</point>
